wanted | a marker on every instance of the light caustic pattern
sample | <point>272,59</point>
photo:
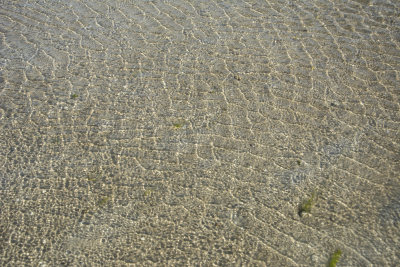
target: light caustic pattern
<point>188,132</point>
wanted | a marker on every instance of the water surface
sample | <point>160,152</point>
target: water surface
<point>189,132</point>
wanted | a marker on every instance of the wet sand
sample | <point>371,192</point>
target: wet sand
<point>189,133</point>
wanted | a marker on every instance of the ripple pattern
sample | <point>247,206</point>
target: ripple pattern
<point>187,133</point>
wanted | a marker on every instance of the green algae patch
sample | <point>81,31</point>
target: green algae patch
<point>178,124</point>
<point>307,204</point>
<point>335,258</point>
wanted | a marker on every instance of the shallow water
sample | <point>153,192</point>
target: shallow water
<point>189,132</point>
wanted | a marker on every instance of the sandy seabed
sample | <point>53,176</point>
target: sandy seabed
<point>189,133</point>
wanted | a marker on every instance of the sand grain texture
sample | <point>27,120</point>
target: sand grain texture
<point>187,133</point>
